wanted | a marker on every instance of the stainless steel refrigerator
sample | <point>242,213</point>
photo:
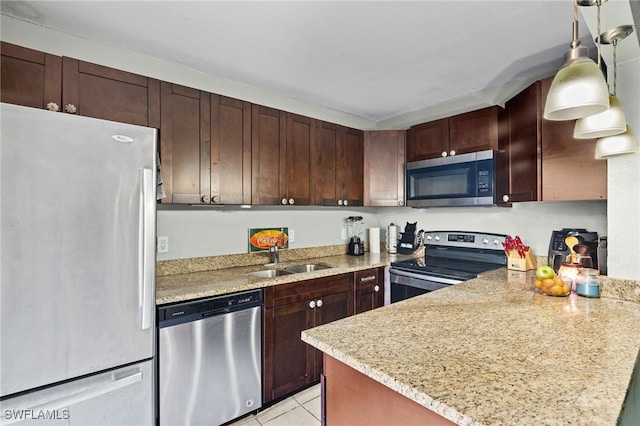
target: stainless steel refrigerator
<point>77,277</point>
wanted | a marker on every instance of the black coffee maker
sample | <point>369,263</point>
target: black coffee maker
<point>559,251</point>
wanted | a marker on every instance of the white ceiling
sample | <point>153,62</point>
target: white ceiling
<point>382,61</point>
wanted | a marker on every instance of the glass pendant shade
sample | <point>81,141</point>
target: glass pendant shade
<point>578,90</point>
<point>608,123</point>
<point>610,146</point>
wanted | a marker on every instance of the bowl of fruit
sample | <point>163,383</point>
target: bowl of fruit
<point>547,282</point>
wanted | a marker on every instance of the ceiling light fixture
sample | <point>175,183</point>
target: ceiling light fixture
<point>612,121</point>
<point>611,146</point>
<point>579,88</point>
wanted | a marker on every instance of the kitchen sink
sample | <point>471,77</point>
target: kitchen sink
<point>306,268</point>
<point>270,273</point>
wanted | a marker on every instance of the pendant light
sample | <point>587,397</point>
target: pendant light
<point>612,121</point>
<point>610,146</point>
<point>579,88</point>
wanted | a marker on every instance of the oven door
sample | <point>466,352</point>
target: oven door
<point>404,284</point>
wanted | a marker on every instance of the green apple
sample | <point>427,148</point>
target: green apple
<point>544,272</point>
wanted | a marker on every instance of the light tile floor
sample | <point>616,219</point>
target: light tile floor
<point>301,409</point>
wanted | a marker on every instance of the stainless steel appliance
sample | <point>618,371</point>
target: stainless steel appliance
<point>558,249</point>
<point>451,257</point>
<point>210,359</point>
<point>77,269</point>
<point>459,180</point>
<point>354,230</point>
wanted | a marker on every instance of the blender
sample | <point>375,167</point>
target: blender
<point>354,229</point>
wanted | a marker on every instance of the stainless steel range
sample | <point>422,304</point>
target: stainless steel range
<point>451,257</point>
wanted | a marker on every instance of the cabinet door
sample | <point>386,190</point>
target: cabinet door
<point>29,77</point>
<point>330,307</point>
<point>369,291</point>
<point>230,157</point>
<point>570,170</point>
<point>268,167</point>
<point>475,131</point>
<point>111,94</point>
<point>384,168</point>
<point>428,140</point>
<point>184,129</point>
<point>351,169</point>
<point>288,361</point>
<point>524,146</point>
<point>325,164</point>
<point>300,138</point>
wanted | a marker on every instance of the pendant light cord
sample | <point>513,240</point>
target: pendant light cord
<point>615,66</point>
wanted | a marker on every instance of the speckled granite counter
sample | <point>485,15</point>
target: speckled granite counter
<point>491,352</point>
<point>194,285</point>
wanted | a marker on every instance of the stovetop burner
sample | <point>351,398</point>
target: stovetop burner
<point>456,254</point>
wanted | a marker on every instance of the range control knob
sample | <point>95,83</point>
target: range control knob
<point>496,242</point>
<point>437,238</point>
<point>485,241</point>
<point>429,238</point>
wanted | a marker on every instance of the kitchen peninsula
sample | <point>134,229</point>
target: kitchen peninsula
<point>485,352</point>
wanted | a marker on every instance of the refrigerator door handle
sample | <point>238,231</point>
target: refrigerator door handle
<point>146,247</point>
<point>76,398</point>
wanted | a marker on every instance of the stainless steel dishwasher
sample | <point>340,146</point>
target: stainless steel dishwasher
<point>210,359</point>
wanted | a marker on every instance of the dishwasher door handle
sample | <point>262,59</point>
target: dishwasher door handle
<point>215,312</point>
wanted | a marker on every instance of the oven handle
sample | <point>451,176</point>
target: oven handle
<point>424,277</point>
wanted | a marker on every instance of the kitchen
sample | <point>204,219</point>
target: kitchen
<point>205,232</point>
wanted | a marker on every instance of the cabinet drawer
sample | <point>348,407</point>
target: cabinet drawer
<point>283,294</point>
<point>367,277</point>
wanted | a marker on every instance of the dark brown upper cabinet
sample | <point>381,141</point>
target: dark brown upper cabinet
<point>384,153</point>
<point>29,77</point>
<point>469,132</point>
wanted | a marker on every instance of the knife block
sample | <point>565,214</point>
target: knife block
<point>517,263</point>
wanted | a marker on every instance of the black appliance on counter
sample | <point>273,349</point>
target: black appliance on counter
<point>558,250</point>
<point>354,229</point>
<point>451,257</point>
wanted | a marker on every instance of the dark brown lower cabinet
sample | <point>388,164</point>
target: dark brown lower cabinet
<point>290,364</point>
<point>369,289</point>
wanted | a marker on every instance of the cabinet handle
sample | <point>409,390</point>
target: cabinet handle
<point>205,199</point>
<point>444,153</point>
<point>505,198</point>
<point>283,201</point>
<point>319,303</point>
<point>291,201</point>
<point>452,152</point>
<point>376,288</point>
<point>367,279</point>
<point>70,108</point>
<point>312,304</point>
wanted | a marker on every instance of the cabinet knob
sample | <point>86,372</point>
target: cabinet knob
<point>52,106</point>
<point>215,199</point>
<point>312,304</point>
<point>319,303</point>
<point>283,201</point>
<point>505,198</point>
<point>444,153</point>
<point>70,108</point>
<point>345,202</point>
<point>205,199</point>
<point>401,203</point>
<point>339,202</point>
<point>452,152</point>
<point>376,288</point>
<point>291,201</point>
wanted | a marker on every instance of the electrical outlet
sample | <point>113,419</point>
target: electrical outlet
<point>292,236</point>
<point>163,244</point>
<point>344,233</point>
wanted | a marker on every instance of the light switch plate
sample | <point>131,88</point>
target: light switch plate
<point>292,235</point>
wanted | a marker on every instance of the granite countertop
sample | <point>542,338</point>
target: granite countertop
<point>491,352</point>
<point>194,285</point>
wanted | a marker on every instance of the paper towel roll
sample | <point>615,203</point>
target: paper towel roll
<point>374,240</point>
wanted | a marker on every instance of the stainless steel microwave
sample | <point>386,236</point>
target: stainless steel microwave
<point>459,180</point>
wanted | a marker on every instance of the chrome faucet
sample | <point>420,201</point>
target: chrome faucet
<point>274,253</point>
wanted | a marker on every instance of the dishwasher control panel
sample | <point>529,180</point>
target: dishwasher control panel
<point>202,308</point>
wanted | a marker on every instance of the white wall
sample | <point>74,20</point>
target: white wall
<point>197,233</point>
